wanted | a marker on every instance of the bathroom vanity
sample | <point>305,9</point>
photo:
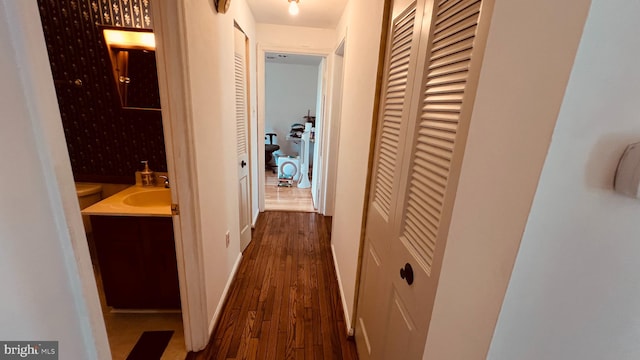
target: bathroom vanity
<point>133,235</point>
<point>137,260</point>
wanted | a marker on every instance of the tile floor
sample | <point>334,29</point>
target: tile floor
<point>124,328</point>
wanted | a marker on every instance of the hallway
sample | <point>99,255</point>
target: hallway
<point>284,302</point>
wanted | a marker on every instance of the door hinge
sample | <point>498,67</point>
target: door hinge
<point>175,209</point>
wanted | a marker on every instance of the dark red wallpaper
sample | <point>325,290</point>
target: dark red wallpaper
<point>106,143</point>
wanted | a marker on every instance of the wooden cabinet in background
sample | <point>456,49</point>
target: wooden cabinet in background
<point>137,261</point>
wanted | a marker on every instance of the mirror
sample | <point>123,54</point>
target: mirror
<point>133,62</point>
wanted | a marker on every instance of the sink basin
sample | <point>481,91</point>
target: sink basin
<point>155,197</point>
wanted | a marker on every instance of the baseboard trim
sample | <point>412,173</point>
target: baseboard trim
<point>345,309</point>
<point>225,294</point>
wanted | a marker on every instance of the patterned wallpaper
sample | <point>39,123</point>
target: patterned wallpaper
<point>127,13</point>
<point>106,143</point>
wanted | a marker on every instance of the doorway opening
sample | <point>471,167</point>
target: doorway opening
<point>294,99</point>
<point>107,137</point>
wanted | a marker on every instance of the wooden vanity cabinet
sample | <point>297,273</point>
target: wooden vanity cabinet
<point>137,261</point>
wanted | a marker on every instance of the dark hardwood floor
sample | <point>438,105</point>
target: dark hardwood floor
<point>284,302</point>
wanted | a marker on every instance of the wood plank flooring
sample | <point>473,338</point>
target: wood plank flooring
<point>284,302</point>
<point>285,198</point>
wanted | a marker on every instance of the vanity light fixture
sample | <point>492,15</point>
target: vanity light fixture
<point>129,39</point>
<point>293,7</point>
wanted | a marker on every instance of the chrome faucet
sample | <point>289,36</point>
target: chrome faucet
<point>166,181</point>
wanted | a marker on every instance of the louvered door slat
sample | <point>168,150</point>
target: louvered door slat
<point>436,142</point>
<point>402,43</point>
<point>446,98</point>
<point>449,68</point>
<point>445,88</point>
<point>392,133</point>
<point>430,173</point>
<point>453,58</point>
<point>455,16</point>
<point>451,107</point>
<point>399,68</point>
<point>435,135</point>
<point>456,37</point>
<point>392,111</point>
<point>453,48</point>
<point>448,11</point>
<point>435,151</point>
<point>429,220</point>
<point>428,203</point>
<point>431,197</point>
<point>446,32</point>
<point>438,159</point>
<point>445,5</point>
<point>241,130</point>
<point>425,223</point>
<point>416,229</point>
<point>447,79</point>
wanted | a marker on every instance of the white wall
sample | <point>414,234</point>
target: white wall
<point>295,37</point>
<point>362,20</point>
<point>529,54</point>
<point>210,65</point>
<point>44,297</point>
<point>575,288</point>
<point>290,91</point>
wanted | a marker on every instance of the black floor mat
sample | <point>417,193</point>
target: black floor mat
<point>151,345</point>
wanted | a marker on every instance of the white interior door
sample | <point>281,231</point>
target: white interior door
<point>242,134</point>
<point>318,150</point>
<point>424,111</point>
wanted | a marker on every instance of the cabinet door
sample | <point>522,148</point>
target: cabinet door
<point>120,259</point>
<point>161,265</point>
<point>137,261</point>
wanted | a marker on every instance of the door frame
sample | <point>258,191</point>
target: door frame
<point>180,161</point>
<point>334,109</point>
<point>261,76</point>
<point>247,80</point>
<point>173,82</point>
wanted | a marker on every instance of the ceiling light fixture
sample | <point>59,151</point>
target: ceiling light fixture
<point>293,7</point>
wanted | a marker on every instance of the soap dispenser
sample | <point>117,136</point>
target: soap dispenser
<point>147,177</point>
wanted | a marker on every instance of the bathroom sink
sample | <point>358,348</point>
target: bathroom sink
<point>155,197</point>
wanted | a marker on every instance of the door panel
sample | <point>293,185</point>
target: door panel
<point>416,163</point>
<point>392,125</point>
<point>242,134</point>
<point>371,321</point>
<point>399,77</point>
<point>401,325</point>
<point>426,196</point>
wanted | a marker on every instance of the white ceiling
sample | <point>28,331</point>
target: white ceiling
<point>313,13</point>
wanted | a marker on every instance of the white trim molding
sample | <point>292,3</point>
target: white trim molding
<point>345,309</point>
<point>225,294</point>
<point>177,119</point>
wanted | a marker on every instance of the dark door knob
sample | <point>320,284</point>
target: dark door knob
<point>243,163</point>
<point>407,273</point>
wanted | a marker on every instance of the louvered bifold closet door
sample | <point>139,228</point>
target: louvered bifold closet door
<point>397,90</point>
<point>401,57</point>
<point>447,71</point>
<point>241,105</point>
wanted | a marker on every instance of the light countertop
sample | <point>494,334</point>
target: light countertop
<point>119,204</point>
